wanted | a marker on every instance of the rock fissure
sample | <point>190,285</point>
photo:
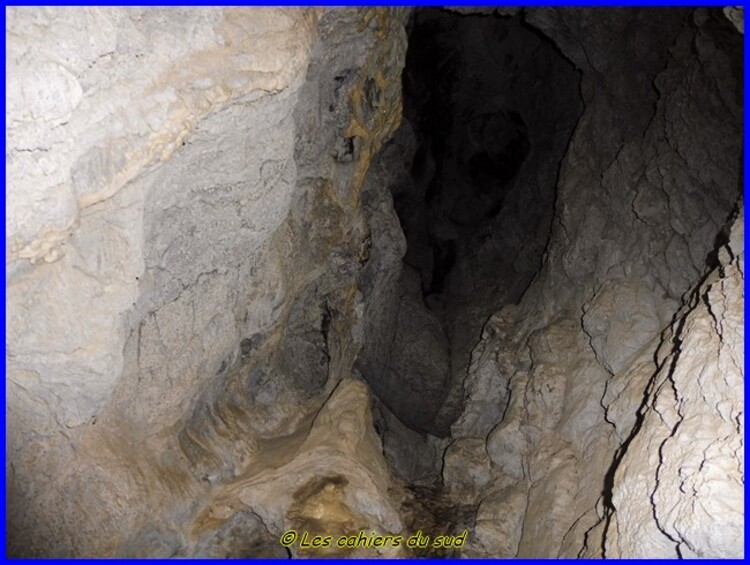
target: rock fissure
<point>349,275</point>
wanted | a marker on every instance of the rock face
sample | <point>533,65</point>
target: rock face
<point>117,226</point>
<point>220,330</point>
<point>690,426</point>
<point>569,376</point>
<point>131,286</point>
<point>185,233</point>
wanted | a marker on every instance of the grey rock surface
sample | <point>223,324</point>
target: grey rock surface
<point>690,425</point>
<point>417,374</point>
<point>216,331</point>
<point>193,205</point>
<point>559,380</point>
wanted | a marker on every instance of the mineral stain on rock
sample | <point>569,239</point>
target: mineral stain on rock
<point>309,282</point>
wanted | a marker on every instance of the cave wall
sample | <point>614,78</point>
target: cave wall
<point>651,176</point>
<point>204,270</point>
<point>185,230</point>
<point>134,188</point>
<point>492,103</point>
<point>679,485</point>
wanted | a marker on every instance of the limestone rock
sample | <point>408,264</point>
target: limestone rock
<point>243,298</point>
<point>486,167</point>
<point>163,233</point>
<point>556,382</point>
<point>417,374</point>
<point>499,523</point>
<point>466,468</point>
<point>242,535</point>
<point>414,456</point>
<point>622,317</point>
<point>330,480</point>
<point>685,498</point>
<point>190,205</point>
<point>736,15</point>
<point>174,80</point>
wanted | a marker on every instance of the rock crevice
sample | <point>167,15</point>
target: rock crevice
<point>377,270</point>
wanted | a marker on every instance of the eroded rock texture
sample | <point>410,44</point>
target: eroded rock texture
<point>186,230</point>
<point>564,379</point>
<point>245,296</point>
<point>686,495</point>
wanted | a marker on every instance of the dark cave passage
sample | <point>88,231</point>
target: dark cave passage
<point>491,104</point>
<point>489,107</point>
<point>321,281</point>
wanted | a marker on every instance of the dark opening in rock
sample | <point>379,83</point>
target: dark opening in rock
<point>491,104</point>
<point>489,107</point>
<point>540,355</point>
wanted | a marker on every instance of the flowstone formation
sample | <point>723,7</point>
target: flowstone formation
<point>189,297</point>
<point>366,276</point>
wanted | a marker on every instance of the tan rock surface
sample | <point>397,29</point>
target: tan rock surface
<point>212,339</point>
<point>186,243</point>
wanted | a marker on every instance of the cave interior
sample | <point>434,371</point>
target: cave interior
<point>460,271</point>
